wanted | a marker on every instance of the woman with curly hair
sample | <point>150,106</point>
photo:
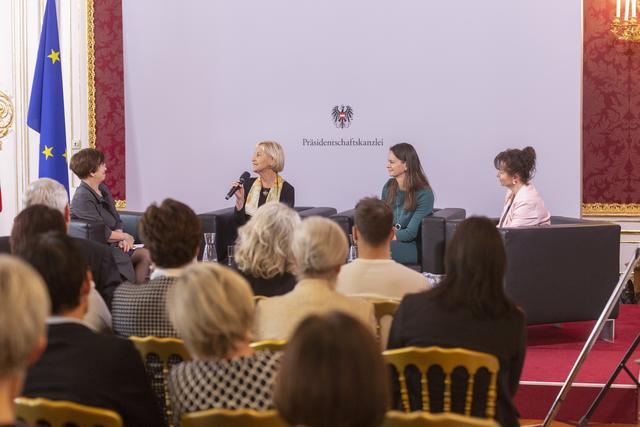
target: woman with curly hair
<point>523,206</point>
<point>263,250</point>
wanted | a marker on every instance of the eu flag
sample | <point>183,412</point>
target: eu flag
<point>46,106</point>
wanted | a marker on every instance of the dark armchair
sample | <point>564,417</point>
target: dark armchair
<point>564,272</point>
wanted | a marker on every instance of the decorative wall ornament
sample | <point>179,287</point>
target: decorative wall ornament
<point>6,115</point>
<point>611,209</point>
<point>91,74</point>
<point>121,204</point>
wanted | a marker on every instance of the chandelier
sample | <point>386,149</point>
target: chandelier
<point>625,25</point>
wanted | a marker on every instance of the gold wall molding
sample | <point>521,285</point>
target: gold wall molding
<point>610,209</point>
<point>6,115</point>
<point>121,204</point>
<point>91,74</point>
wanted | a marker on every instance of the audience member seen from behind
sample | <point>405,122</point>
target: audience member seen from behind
<point>51,193</point>
<point>37,219</point>
<point>78,364</point>
<point>472,304</point>
<point>267,162</point>
<point>332,374</point>
<point>319,248</point>
<point>374,273</point>
<point>411,198</point>
<point>172,234</point>
<point>93,202</point>
<point>24,307</point>
<point>263,250</point>
<point>212,309</point>
<point>523,206</point>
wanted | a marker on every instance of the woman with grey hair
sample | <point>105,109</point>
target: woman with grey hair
<point>319,248</point>
<point>212,309</point>
<point>24,307</point>
<point>263,251</point>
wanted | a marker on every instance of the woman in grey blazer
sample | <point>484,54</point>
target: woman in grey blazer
<point>93,202</point>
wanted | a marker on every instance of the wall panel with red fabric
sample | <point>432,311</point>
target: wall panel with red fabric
<point>106,90</point>
<point>610,117</point>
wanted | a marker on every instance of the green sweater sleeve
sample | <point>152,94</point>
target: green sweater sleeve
<point>424,207</point>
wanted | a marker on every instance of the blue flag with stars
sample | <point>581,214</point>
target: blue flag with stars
<point>46,106</point>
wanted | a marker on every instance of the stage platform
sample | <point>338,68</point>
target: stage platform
<point>551,353</point>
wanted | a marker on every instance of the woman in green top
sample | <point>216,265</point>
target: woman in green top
<point>410,196</point>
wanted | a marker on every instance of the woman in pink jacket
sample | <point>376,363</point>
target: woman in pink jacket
<point>523,206</point>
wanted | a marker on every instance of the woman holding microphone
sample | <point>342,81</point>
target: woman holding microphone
<point>268,186</point>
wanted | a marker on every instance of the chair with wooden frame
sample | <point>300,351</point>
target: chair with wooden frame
<point>423,419</point>
<point>448,359</point>
<point>58,413</point>
<point>166,349</point>
<point>233,418</point>
<point>382,308</point>
<point>273,345</point>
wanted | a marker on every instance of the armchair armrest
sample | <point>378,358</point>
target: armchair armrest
<point>345,220</point>
<point>130,221</point>
<point>319,211</point>
<point>433,238</point>
<point>87,230</point>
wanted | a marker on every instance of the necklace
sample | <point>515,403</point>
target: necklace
<point>265,192</point>
<point>396,212</point>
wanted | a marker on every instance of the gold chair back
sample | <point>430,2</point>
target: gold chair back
<point>422,419</point>
<point>57,413</point>
<point>273,345</point>
<point>448,359</point>
<point>233,418</point>
<point>381,309</point>
<point>164,348</point>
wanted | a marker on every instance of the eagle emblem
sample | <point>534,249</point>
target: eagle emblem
<point>342,116</point>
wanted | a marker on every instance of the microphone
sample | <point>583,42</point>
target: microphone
<point>245,175</point>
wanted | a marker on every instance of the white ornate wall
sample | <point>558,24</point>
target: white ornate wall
<point>20,24</point>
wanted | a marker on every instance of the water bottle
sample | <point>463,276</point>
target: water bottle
<point>209,254</point>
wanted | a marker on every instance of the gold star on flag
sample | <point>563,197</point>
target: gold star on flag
<point>47,152</point>
<point>66,155</point>
<point>55,56</point>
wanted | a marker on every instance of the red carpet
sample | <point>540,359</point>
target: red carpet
<point>551,353</point>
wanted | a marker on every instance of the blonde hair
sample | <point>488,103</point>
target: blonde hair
<point>276,152</point>
<point>319,246</point>
<point>263,248</point>
<point>24,307</point>
<point>212,309</point>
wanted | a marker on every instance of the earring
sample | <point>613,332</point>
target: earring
<point>514,182</point>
